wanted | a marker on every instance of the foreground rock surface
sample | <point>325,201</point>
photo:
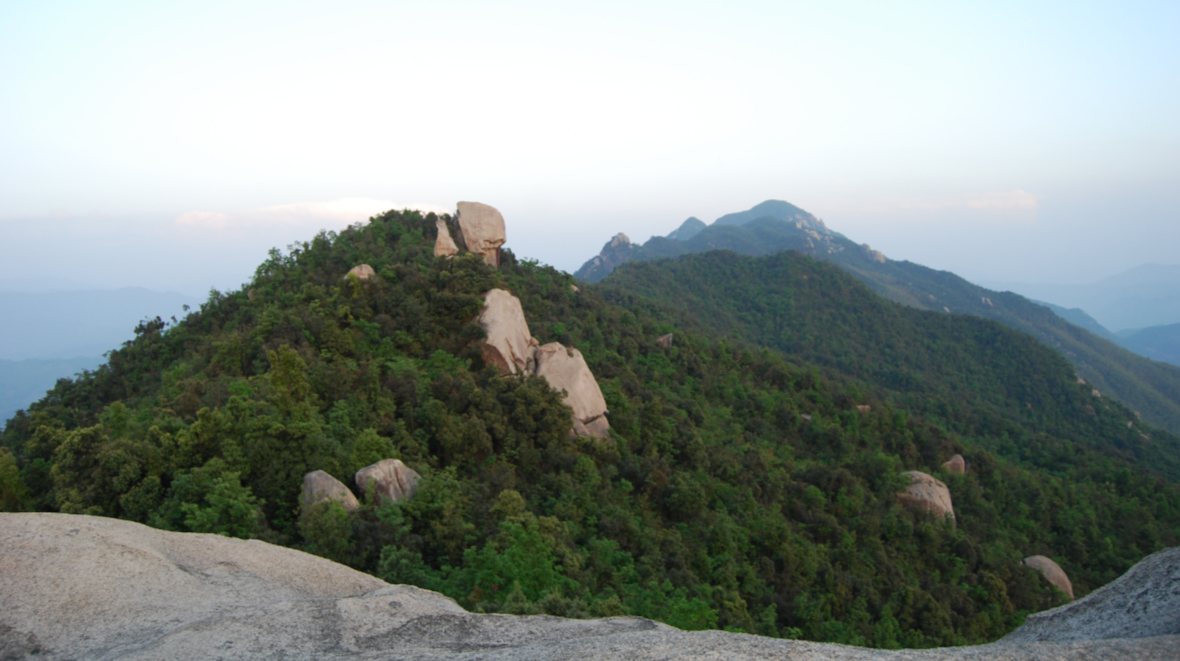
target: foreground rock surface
<point>89,587</point>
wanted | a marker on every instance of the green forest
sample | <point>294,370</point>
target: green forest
<point>741,486</point>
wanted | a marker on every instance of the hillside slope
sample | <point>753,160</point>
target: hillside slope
<point>736,489</point>
<point>1152,388</point>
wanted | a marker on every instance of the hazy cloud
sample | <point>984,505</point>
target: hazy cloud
<point>327,215</point>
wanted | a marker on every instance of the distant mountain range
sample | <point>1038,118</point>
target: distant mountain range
<point>23,382</point>
<point>1150,387</point>
<point>67,324</point>
<point>1145,296</point>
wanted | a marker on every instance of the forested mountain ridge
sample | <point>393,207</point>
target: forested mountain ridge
<point>1152,388</point>
<point>739,488</point>
<point>972,375</point>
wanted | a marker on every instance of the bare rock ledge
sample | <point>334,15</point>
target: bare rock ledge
<point>90,587</point>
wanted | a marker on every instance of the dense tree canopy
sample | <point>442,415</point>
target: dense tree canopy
<point>741,486</point>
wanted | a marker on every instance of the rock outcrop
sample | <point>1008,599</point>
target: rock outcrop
<point>927,494</point>
<point>444,245</point>
<point>388,478</point>
<point>83,587</point>
<point>362,272</point>
<point>956,465</point>
<point>509,345</point>
<point>483,230</point>
<point>1052,573</point>
<point>318,486</point>
<point>566,369</point>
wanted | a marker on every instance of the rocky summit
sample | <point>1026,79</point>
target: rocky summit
<point>97,588</point>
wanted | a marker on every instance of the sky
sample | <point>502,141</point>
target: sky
<point>169,145</point>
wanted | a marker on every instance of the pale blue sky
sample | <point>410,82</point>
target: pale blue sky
<point>1004,141</point>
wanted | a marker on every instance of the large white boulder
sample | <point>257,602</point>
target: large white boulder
<point>927,494</point>
<point>483,230</point>
<point>1052,573</point>
<point>444,245</point>
<point>318,486</point>
<point>509,345</point>
<point>388,478</point>
<point>566,369</point>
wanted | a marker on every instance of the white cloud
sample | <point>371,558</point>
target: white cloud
<point>326,215</point>
<point>1016,203</point>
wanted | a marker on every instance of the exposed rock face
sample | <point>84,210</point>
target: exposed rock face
<point>509,345</point>
<point>956,465</point>
<point>362,272</point>
<point>90,587</point>
<point>864,408</point>
<point>927,494</point>
<point>483,230</point>
<point>873,255</point>
<point>665,341</point>
<point>444,245</point>
<point>1053,573</point>
<point>318,486</point>
<point>619,250</point>
<point>388,478</point>
<point>566,369</point>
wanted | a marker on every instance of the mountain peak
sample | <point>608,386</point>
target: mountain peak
<point>773,209</point>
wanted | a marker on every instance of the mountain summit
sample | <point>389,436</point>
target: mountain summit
<point>1150,387</point>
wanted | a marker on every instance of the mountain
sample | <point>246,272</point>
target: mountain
<point>1078,317</point>
<point>1157,342</point>
<point>687,229</point>
<point>1152,388</point>
<point>817,314</point>
<point>65,324</point>
<point>740,486</point>
<point>1147,295</point>
<point>23,382</point>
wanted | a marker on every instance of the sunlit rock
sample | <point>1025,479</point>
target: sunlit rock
<point>927,494</point>
<point>362,272</point>
<point>1052,573</point>
<point>318,486</point>
<point>509,345</point>
<point>388,478</point>
<point>566,369</point>
<point>444,245</point>
<point>483,230</point>
<point>956,465</point>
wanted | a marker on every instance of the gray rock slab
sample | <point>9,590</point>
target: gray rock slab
<point>1141,603</point>
<point>75,587</point>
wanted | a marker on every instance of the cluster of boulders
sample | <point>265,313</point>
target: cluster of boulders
<point>483,232</point>
<point>929,494</point>
<point>512,348</point>
<point>509,345</point>
<point>388,479</point>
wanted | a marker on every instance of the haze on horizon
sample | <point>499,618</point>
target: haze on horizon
<point>170,146</point>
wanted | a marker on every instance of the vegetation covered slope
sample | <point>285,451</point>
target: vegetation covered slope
<point>973,375</point>
<point>738,489</point>
<point>1152,388</point>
